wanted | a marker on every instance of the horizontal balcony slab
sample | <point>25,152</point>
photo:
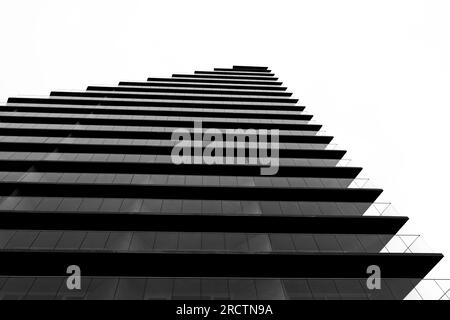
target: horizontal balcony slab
<point>187,192</point>
<point>314,265</point>
<point>118,167</point>
<point>129,221</point>
<point>268,89</point>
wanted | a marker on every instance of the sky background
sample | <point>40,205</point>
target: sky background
<point>376,74</point>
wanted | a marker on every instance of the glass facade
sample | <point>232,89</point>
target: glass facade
<point>87,179</point>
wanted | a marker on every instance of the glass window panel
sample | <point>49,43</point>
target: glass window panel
<point>348,209</point>
<point>401,287</point>
<point>297,289</point>
<point>211,181</point>
<point>186,289</point>
<point>102,289</point>
<point>69,204</point>
<point>16,288</point>
<point>140,179</point>
<point>309,208</point>
<point>66,294</point>
<point>95,240</point>
<point>289,208</point>
<point>166,241</point>
<point>131,205</point>
<point>214,289</point>
<point>130,289</point>
<point>281,242</point>
<point>250,207</point>
<point>87,178</point>
<point>192,206</point>
<point>371,242</point>
<point>142,241</point>
<point>383,294</point>
<point>119,241</point>
<point>269,289</point>
<point>211,207</point>
<point>111,205</point>
<point>194,180</point>
<point>5,235</point>
<point>236,242</point>
<point>327,242</point>
<point>189,241</point>
<point>158,179</point>
<point>47,240</point>
<point>159,289</point>
<point>242,289</point>
<point>245,181</point>
<point>271,208</point>
<point>8,203</point>
<point>22,240</point>
<point>280,182</point>
<point>330,183</point>
<point>259,242</point>
<point>105,178</point>
<point>171,206</point>
<point>176,180</point>
<point>349,243</point>
<point>71,240</point>
<point>151,205</point>
<point>231,207</point>
<point>90,204</point>
<point>262,182</point>
<point>361,207</point>
<point>228,181</point>
<point>323,289</point>
<point>305,242</point>
<point>329,208</point>
<point>69,177</point>
<point>213,241</point>
<point>28,203</point>
<point>123,178</point>
<point>350,289</point>
<point>49,204</point>
<point>44,288</point>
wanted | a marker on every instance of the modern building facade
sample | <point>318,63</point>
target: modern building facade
<point>88,179</point>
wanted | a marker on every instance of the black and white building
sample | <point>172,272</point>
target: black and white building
<point>87,180</point>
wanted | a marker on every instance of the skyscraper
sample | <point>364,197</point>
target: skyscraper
<point>96,181</point>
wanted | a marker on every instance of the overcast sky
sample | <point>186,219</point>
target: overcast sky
<point>376,74</point>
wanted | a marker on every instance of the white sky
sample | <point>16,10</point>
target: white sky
<point>376,74</point>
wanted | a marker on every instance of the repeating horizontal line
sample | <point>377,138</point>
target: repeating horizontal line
<point>161,168</point>
<point>244,73</point>
<point>72,145</point>
<point>162,89</point>
<point>199,80</point>
<point>202,85</point>
<point>311,265</point>
<point>128,221</point>
<point>90,131</point>
<point>187,192</point>
<point>157,111</point>
<point>224,76</point>
<point>251,68</point>
<point>154,102</point>
<point>63,118</point>
<point>172,96</point>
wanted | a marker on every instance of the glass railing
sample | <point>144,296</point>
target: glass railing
<point>407,243</point>
<point>431,289</point>
<point>381,209</point>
